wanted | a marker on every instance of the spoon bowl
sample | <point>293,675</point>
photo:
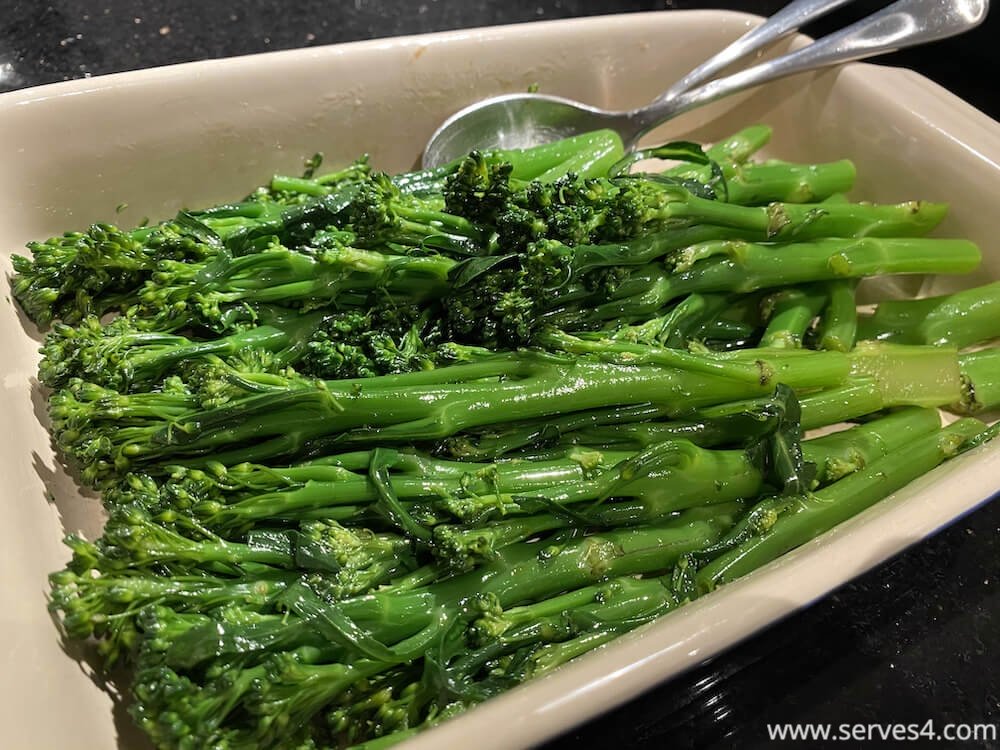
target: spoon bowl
<point>514,121</point>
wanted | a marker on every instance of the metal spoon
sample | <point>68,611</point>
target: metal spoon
<point>520,120</point>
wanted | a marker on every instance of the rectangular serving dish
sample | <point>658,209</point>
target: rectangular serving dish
<point>193,134</point>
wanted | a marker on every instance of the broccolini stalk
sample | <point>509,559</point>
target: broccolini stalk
<point>364,624</point>
<point>586,155</point>
<point>841,453</point>
<point>734,423</point>
<point>863,396</point>
<point>782,222</point>
<point>932,379</point>
<point>107,585</point>
<point>286,189</point>
<point>77,275</point>
<point>481,488</point>
<point>767,367</point>
<point>186,486</point>
<point>553,641</point>
<point>758,184</point>
<point>961,319</point>
<point>504,300</point>
<point>355,560</point>
<point>592,162</point>
<point>839,323</point>
<point>980,380</point>
<point>254,225</point>
<point>494,442</point>
<point>724,335</point>
<point>627,208</point>
<point>808,517</point>
<point>621,604</point>
<point>789,314</point>
<point>665,477</point>
<point>834,455</point>
<point>528,163</point>
<point>723,170</point>
<point>841,404</point>
<point>740,146</point>
<point>465,547</point>
<point>81,405</point>
<point>286,414</point>
<point>514,576</point>
<point>775,223</point>
<point>689,318</point>
<point>745,267</point>
<point>281,422</point>
<point>553,655</point>
<point>122,357</point>
<point>134,539</point>
<point>492,623</point>
<point>192,292</point>
<point>668,476</point>
<point>909,375</point>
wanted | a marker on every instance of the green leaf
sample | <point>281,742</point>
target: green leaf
<point>469,270</point>
<point>198,229</point>
<point>675,150</point>
<point>378,471</point>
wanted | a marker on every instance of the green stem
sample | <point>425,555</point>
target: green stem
<point>587,155</point>
<point>841,404</point>
<point>726,227</point>
<point>735,149</point>
<point>280,275</point>
<point>961,319</point>
<point>813,515</point>
<point>783,222</point>
<point>554,655</point>
<point>791,313</point>
<point>841,453</point>
<point>623,352</point>
<point>839,322</point>
<point>909,375</point>
<point>743,267</point>
<point>131,359</point>
<point>980,380</point>
<point>740,146</point>
<point>494,443</point>
<point>528,572</point>
<point>299,185</point>
<point>757,184</point>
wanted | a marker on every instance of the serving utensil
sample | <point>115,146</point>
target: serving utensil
<point>521,120</point>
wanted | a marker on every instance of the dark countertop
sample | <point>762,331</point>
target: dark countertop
<point>912,641</point>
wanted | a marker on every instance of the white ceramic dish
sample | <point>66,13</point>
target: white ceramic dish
<point>203,132</point>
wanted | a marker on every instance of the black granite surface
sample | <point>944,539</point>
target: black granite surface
<point>914,640</point>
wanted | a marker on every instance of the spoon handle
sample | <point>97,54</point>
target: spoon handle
<point>790,18</point>
<point>905,23</point>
